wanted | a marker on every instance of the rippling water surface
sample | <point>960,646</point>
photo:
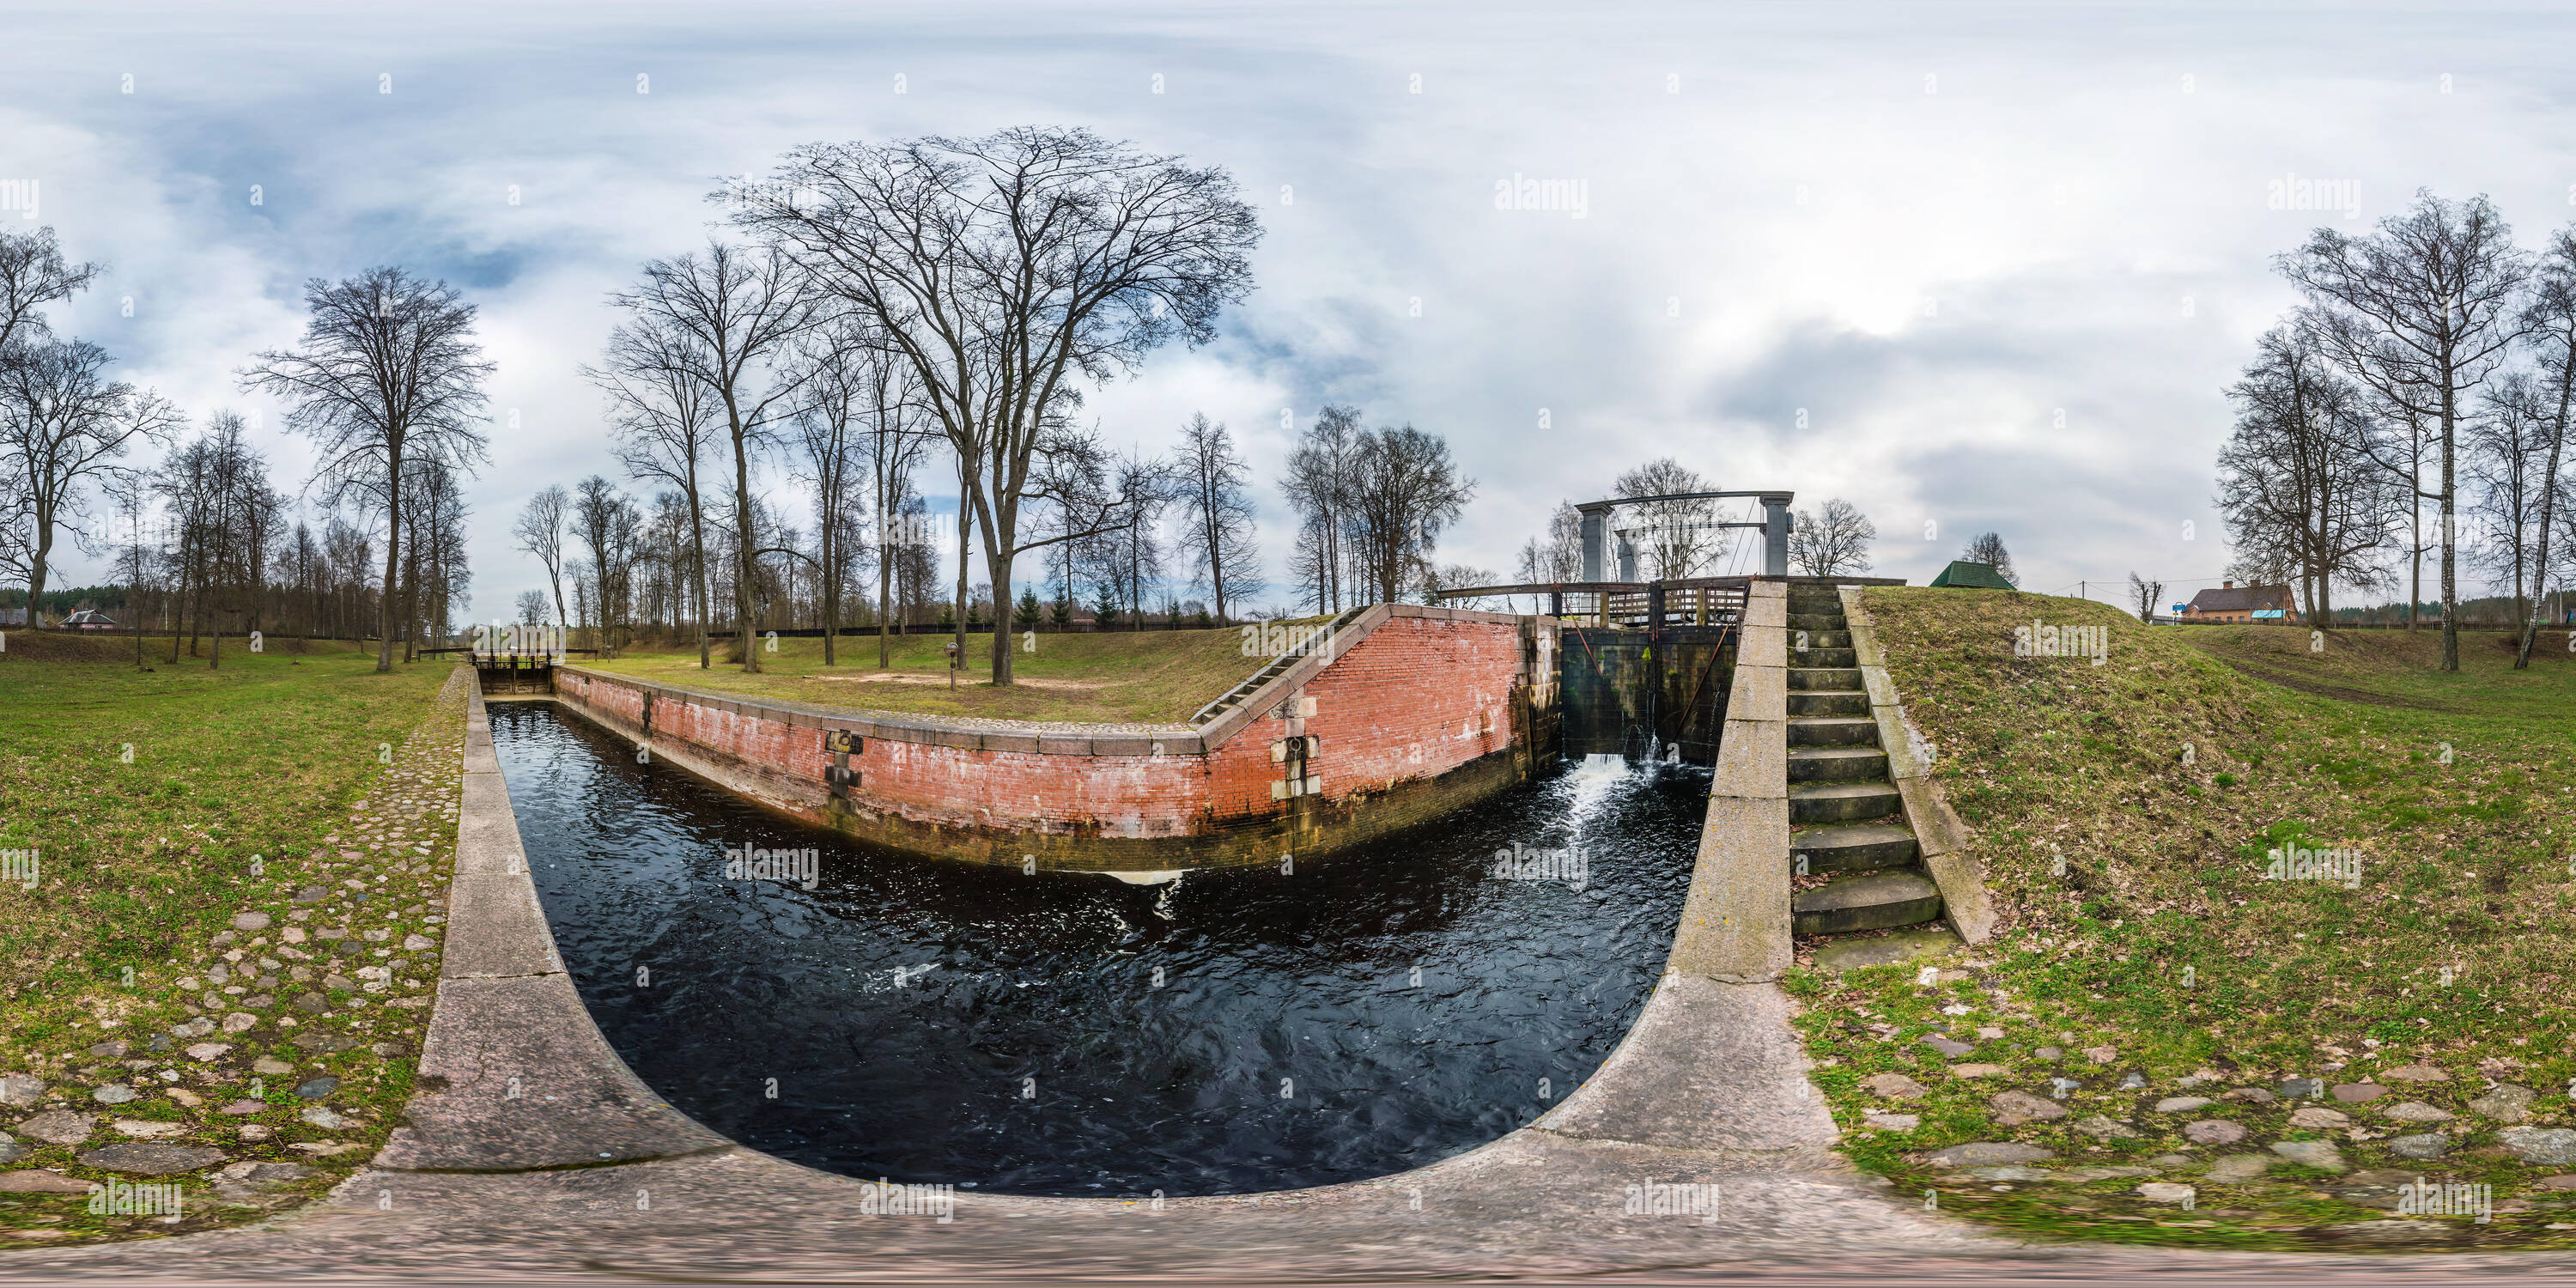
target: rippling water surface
<point>1066,1033</point>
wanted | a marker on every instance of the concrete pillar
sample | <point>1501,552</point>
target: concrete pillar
<point>1775,533</point>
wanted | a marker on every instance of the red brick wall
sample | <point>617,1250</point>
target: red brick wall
<point>1415,718</point>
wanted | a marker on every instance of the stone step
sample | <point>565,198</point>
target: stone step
<point>1823,657</point>
<point>1822,639</point>
<point>1866,901</point>
<point>1829,702</point>
<point>1901,947</point>
<point>1836,764</point>
<point>1843,679</point>
<point>1827,602</point>
<point>1842,802</point>
<point>1818,622</point>
<point>1833,731</point>
<point>1853,847</point>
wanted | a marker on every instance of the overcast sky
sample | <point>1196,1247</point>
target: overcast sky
<point>1973,266</point>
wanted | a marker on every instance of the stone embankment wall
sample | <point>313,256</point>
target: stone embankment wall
<point>1403,713</point>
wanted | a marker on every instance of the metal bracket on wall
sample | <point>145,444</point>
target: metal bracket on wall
<point>842,744</point>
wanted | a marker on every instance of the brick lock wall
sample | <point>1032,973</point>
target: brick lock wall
<point>1416,718</point>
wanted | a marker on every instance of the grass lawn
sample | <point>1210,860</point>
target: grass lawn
<point>1141,677</point>
<point>236,778</point>
<point>2125,815</point>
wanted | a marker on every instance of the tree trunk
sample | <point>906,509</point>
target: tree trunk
<point>2450,545</point>
<point>2548,515</point>
<point>393,566</point>
<point>742,541</point>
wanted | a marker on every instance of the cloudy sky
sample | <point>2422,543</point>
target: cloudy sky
<point>1970,266</point>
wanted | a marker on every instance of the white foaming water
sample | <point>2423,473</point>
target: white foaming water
<point>1603,764</point>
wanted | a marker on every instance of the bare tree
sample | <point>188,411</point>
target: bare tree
<point>33,274</point>
<point>1404,490</point>
<point>2297,487</point>
<point>2421,311</point>
<point>532,608</point>
<point>539,530</point>
<point>1007,268</point>
<point>2510,441</point>
<point>724,322</point>
<point>1988,548</point>
<point>665,418</point>
<point>1216,512</point>
<point>387,372</point>
<point>1833,542</point>
<point>2550,321</point>
<point>2147,595</point>
<point>830,435</point>
<point>63,426</point>
<point>601,518</point>
<point>1318,489</point>
<point>1680,538</point>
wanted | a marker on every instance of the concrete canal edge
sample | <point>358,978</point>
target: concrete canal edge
<point>513,1074</point>
<point>1710,1065</point>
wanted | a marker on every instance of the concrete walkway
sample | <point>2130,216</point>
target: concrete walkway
<point>534,1155</point>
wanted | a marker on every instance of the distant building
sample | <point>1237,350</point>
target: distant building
<point>1962,573</point>
<point>2234,603</point>
<point>88,619</point>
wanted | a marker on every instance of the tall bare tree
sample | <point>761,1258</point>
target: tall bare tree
<point>831,438</point>
<point>1009,268</point>
<point>539,530</point>
<point>2550,322</point>
<point>1833,541</point>
<point>666,422</point>
<point>387,371</point>
<point>725,322</point>
<point>1404,491</point>
<point>1679,537</point>
<point>64,425</point>
<point>1216,511</point>
<point>2420,310</point>
<point>2297,487</point>
<point>1318,488</point>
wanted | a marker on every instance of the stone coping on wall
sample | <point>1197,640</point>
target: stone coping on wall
<point>1067,738</point>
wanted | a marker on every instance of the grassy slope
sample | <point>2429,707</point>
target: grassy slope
<point>1158,677</point>
<point>259,756</point>
<point>2465,867</point>
<point>143,863</point>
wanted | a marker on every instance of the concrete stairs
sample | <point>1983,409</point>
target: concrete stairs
<point>1846,818</point>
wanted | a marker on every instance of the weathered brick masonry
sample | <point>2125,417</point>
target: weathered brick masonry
<point>1412,712</point>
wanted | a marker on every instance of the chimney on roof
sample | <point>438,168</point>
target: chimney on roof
<point>2227,585</point>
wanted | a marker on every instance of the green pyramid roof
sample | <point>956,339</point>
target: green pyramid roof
<point>1976,575</point>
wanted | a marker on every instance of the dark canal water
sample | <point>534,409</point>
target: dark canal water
<point>1071,1034</point>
